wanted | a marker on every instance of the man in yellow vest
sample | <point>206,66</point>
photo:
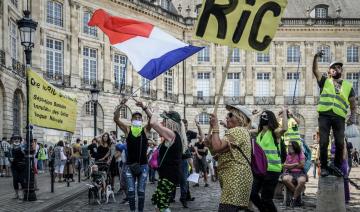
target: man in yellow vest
<point>292,134</point>
<point>336,96</point>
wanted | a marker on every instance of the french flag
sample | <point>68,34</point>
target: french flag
<point>150,50</point>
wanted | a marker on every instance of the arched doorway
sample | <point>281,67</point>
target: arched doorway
<point>18,114</point>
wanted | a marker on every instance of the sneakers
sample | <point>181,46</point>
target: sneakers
<point>206,185</point>
<point>292,202</point>
<point>324,172</point>
<point>184,203</point>
<point>196,185</point>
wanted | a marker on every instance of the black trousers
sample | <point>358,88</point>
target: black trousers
<point>337,124</point>
<point>267,186</point>
<point>18,172</point>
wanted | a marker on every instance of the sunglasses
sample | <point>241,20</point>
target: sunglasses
<point>264,116</point>
<point>230,115</point>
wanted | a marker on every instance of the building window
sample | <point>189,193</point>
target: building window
<point>54,58</point>
<point>204,118</point>
<point>235,57</point>
<point>354,79</point>
<point>263,57</point>
<point>14,2</point>
<point>123,113</point>
<point>120,65</point>
<point>292,80</point>
<point>203,84</point>
<point>146,85</point>
<point>54,13</point>
<point>165,4</point>
<point>203,55</point>
<point>321,12</point>
<point>293,54</point>
<point>352,54</point>
<point>89,108</point>
<point>233,84</point>
<point>13,39</point>
<point>263,84</point>
<point>326,57</point>
<point>87,29</point>
<point>90,65</point>
<point>168,81</point>
<point>17,114</point>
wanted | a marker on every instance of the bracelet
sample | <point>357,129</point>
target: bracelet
<point>215,131</point>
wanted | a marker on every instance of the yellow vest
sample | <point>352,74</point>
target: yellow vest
<point>291,134</point>
<point>337,102</point>
<point>272,153</point>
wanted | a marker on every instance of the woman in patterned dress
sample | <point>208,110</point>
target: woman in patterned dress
<point>234,172</point>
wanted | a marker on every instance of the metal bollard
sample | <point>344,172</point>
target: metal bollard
<point>79,171</point>
<point>52,169</point>
<point>68,173</point>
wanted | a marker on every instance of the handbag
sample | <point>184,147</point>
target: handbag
<point>153,162</point>
<point>62,155</point>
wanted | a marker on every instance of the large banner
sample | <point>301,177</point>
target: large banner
<point>50,107</point>
<point>246,24</point>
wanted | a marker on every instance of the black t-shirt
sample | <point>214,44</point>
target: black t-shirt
<point>171,165</point>
<point>190,135</point>
<point>137,148</point>
<point>321,84</point>
<point>93,150</point>
<point>201,146</point>
<point>101,152</point>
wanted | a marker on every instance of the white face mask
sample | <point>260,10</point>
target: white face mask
<point>136,123</point>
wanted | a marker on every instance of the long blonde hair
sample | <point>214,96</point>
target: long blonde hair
<point>180,129</point>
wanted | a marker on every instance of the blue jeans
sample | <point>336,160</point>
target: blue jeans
<point>40,165</point>
<point>152,175</point>
<point>141,184</point>
<point>184,184</point>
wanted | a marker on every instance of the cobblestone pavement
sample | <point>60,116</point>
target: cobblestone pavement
<point>207,199</point>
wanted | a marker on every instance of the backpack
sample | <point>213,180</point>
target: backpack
<point>258,162</point>
<point>307,153</point>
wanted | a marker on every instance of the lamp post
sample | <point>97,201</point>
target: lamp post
<point>27,28</point>
<point>94,99</point>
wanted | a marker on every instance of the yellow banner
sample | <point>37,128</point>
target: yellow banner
<point>245,24</point>
<point>50,107</point>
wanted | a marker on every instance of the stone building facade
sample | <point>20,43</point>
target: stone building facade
<point>73,56</point>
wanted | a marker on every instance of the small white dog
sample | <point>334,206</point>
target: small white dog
<point>109,192</point>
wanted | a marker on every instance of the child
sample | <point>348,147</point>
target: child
<point>98,178</point>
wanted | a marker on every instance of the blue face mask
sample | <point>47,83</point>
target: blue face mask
<point>136,123</point>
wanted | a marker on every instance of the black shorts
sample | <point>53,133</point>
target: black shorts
<point>202,164</point>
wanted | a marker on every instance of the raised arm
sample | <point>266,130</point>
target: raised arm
<point>217,145</point>
<point>315,66</point>
<point>164,132</point>
<point>125,128</point>
<point>294,117</point>
<point>280,131</point>
<point>202,137</point>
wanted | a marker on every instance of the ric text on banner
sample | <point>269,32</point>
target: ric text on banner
<point>50,107</point>
<point>245,24</point>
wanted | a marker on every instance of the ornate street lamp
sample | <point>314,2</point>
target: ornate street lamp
<point>94,91</point>
<point>27,28</point>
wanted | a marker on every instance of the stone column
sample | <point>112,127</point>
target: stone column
<point>75,48</point>
<point>278,72</point>
<point>330,195</point>
<point>309,78</point>
<point>249,76</point>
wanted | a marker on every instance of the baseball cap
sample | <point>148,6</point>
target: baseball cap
<point>136,113</point>
<point>173,115</point>
<point>242,109</point>
<point>335,63</point>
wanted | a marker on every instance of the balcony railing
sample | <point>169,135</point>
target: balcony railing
<point>57,79</point>
<point>171,97</point>
<point>88,84</point>
<point>148,94</point>
<point>297,100</point>
<point>18,68</point>
<point>122,89</point>
<point>265,100</point>
<point>234,100</point>
<point>2,57</point>
<point>204,100</point>
<point>319,21</point>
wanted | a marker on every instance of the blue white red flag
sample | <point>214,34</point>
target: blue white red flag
<point>150,50</point>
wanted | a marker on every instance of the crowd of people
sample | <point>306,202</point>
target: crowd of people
<point>218,156</point>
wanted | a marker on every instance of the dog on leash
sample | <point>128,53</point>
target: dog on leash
<point>109,193</point>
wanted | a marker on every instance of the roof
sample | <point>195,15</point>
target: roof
<point>297,8</point>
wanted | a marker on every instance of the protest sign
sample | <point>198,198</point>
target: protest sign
<point>50,107</point>
<point>247,24</point>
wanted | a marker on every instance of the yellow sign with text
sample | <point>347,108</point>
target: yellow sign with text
<point>245,24</point>
<point>50,107</point>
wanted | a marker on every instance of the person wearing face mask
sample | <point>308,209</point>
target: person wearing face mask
<point>268,138</point>
<point>336,95</point>
<point>136,168</point>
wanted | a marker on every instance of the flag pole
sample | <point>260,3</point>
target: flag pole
<point>221,89</point>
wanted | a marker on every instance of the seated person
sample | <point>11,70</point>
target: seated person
<point>294,177</point>
<point>98,178</point>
